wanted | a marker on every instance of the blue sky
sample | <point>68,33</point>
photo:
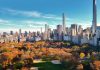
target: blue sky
<point>34,14</point>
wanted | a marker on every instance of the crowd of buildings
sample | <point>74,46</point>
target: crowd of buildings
<point>75,33</point>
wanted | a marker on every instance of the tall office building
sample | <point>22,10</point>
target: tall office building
<point>49,32</point>
<point>38,33</point>
<point>20,31</point>
<point>64,25</point>
<point>26,33</point>
<point>59,29</point>
<point>4,34</point>
<point>80,29</point>
<point>59,32</point>
<point>11,33</point>
<point>94,21</point>
<point>74,29</point>
<point>46,32</point>
<point>46,27</point>
<point>41,30</point>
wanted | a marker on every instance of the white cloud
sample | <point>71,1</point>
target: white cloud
<point>2,21</point>
<point>8,23</point>
<point>50,16</point>
<point>35,14</point>
<point>35,22</point>
<point>35,25</point>
<point>98,24</point>
<point>24,13</point>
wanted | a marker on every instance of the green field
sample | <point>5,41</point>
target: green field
<point>48,66</point>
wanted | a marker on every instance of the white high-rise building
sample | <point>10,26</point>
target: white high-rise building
<point>46,32</point>
<point>73,29</point>
<point>20,31</point>
<point>94,21</point>
<point>80,30</point>
<point>64,25</point>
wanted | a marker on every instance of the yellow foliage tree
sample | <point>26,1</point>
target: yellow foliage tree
<point>82,55</point>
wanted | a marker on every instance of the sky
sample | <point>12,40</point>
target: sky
<point>34,14</point>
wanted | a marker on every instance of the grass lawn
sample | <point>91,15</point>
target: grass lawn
<point>48,66</point>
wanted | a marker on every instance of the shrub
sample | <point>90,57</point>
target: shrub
<point>18,65</point>
<point>1,68</point>
<point>86,65</point>
<point>46,58</point>
<point>69,65</point>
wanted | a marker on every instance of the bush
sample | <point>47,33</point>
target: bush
<point>46,58</point>
<point>86,65</point>
<point>18,66</point>
<point>75,48</point>
<point>69,65</point>
<point>1,68</point>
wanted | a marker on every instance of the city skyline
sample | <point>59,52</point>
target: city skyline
<point>49,34</point>
<point>27,16</point>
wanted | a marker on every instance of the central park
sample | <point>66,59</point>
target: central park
<point>48,55</point>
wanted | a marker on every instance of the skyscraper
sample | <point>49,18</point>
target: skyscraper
<point>46,32</point>
<point>80,29</point>
<point>94,21</point>
<point>59,32</point>
<point>20,31</point>
<point>41,30</point>
<point>74,29</point>
<point>11,33</point>
<point>46,28</point>
<point>64,25</point>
